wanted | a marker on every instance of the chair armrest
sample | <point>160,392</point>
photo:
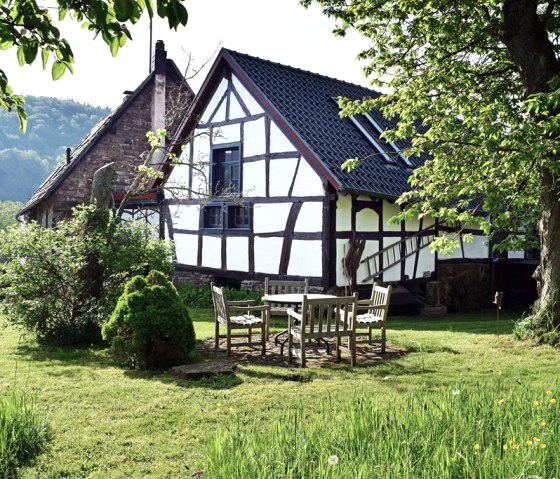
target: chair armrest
<point>250,308</point>
<point>293,314</point>
<point>246,302</point>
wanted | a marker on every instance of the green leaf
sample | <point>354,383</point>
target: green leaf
<point>114,46</point>
<point>30,50</point>
<point>6,44</point>
<point>44,58</point>
<point>124,9</point>
<point>58,69</point>
<point>21,55</point>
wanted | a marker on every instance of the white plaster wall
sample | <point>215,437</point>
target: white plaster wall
<point>254,138</point>
<point>237,250</point>
<point>211,252</point>
<point>179,178</point>
<point>370,248</point>
<point>278,141</point>
<point>213,103</point>
<point>281,176</point>
<point>186,248</point>
<point>220,114</point>
<point>307,181</point>
<point>343,210</point>
<point>201,158</point>
<point>426,262</point>
<point>267,254</point>
<point>227,134</point>
<point>390,210</point>
<point>252,104</point>
<point>185,217</point>
<point>269,218</point>
<point>340,244</point>
<point>306,258</point>
<point>367,220</point>
<point>392,274</point>
<point>310,218</point>
<point>235,110</point>
<point>253,179</point>
<point>476,249</point>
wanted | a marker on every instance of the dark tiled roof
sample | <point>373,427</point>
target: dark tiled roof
<point>307,102</point>
<point>96,133</point>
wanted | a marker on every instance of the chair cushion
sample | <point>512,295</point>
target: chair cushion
<point>246,320</point>
<point>368,318</point>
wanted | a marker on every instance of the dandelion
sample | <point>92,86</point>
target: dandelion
<point>455,392</point>
<point>230,410</point>
<point>504,447</point>
<point>476,447</point>
<point>542,423</point>
<point>549,392</point>
<point>333,460</point>
<point>515,446</point>
<point>499,402</point>
<point>542,445</point>
<point>529,442</point>
<point>552,401</point>
<point>536,440</point>
<point>536,403</point>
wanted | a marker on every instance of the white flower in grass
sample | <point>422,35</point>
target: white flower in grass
<point>333,460</point>
<point>455,392</point>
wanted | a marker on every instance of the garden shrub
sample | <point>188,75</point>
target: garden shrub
<point>23,433</point>
<point>47,287</point>
<point>200,297</point>
<point>150,327</point>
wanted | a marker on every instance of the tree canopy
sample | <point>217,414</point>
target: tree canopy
<point>475,84</point>
<point>29,29</point>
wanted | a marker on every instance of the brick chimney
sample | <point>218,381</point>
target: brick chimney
<point>160,57</point>
<point>159,93</point>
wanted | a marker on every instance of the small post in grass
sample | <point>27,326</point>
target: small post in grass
<point>498,298</point>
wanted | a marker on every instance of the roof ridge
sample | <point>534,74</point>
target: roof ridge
<point>301,70</point>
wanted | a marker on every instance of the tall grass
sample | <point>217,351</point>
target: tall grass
<point>465,433</point>
<point>23,432</point>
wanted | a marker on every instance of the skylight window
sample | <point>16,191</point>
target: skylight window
<point>393,145</point>
<point>371,134</point>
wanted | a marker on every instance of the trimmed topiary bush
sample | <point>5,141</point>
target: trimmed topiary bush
<point>150,327</point>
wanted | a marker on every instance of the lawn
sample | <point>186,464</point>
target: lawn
<point>108,422</point>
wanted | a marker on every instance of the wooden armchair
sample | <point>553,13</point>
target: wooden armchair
<point>241,319</point>
<point>372,314</point>
<point>322,319</point>
<point>284,287</point>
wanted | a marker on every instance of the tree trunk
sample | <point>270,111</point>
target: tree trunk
<point>547,308</point>
<point>525,36</point>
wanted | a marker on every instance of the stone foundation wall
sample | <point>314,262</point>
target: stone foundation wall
<point>191,277</point>
<point>465,287</point>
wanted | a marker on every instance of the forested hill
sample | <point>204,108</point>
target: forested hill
<point>52,126</point>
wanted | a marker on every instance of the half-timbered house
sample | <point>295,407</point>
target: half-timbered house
<point>262,192</point>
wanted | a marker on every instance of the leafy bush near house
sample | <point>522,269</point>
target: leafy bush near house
<point>23,432</point>
<point>201,296</point>
<point>63,283</point>
<point>150,327</point>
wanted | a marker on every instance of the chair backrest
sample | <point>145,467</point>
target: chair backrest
<point>285,287</point>
<point>328,317</point>
<point>379,301</point>
<point>220,303</point>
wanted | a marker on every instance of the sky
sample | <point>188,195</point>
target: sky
<point>276,30</point>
